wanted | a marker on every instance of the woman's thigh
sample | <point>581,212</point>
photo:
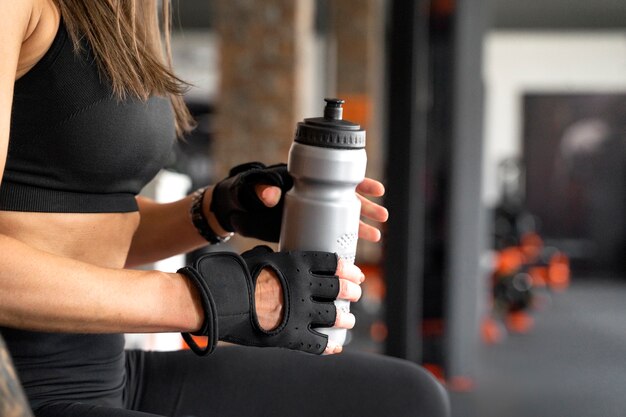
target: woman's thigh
<point>242,381</point>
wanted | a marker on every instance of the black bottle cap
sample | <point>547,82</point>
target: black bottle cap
<point>331,131</point>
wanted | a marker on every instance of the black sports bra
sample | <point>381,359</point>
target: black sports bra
<point>73,147</point>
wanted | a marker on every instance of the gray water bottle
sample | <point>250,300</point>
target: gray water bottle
<point>327,161</point>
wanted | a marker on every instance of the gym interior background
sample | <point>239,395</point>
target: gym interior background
<point>499,129</point>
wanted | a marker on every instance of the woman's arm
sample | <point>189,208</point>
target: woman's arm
<point>166,230</point>
<point>42,291</point>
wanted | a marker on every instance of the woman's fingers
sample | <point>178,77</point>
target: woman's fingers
<point>371,188</point>
<point>350,279</point>
<point>332,348</point>
<point>349,271</point>
<point>348,290</point>
<point>268,194</point>
<point>345,320</point>
<point>369,233</point>
<point>373,211</point>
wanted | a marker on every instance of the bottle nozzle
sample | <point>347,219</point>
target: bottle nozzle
<point>333,109</point>
<point>331,131</point>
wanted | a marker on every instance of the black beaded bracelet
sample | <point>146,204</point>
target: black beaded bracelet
<point>200,221</point>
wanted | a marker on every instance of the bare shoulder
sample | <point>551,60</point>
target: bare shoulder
<point>27,31</point>
<point>17,18</point>
<point>18,15</point>
<point>39,35</point>
<point>12,400</point>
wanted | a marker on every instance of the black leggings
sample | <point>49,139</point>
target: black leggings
<point>241,382</point>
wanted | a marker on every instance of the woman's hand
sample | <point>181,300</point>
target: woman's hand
<point>269,298</point>
<point>270,196</point>
<point>236,206</point>
<point>370,210</point>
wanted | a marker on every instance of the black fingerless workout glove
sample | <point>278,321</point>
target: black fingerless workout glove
<point>226,283</point>
<point>237,206</point>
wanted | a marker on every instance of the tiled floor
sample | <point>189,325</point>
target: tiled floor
<point>573,364</point>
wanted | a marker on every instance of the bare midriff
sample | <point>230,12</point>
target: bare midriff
<point>101,239</point>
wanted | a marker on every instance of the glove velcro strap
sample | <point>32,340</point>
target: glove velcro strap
<point>210,326</point>
<point>226,277</point>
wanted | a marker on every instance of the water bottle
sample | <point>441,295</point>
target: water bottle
<point>327,161</point>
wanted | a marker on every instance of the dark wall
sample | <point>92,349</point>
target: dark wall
<point>506,14</point>
<point>192,14</point>
<point>558,14</point>
<point>575,152</point>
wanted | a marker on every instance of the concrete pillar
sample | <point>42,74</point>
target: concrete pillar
<point>263,70</point>
<point>467,240</point>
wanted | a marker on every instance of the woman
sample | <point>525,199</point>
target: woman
<point>88,113</point>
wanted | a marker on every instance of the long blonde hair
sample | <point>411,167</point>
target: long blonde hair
<point>125,37</point>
